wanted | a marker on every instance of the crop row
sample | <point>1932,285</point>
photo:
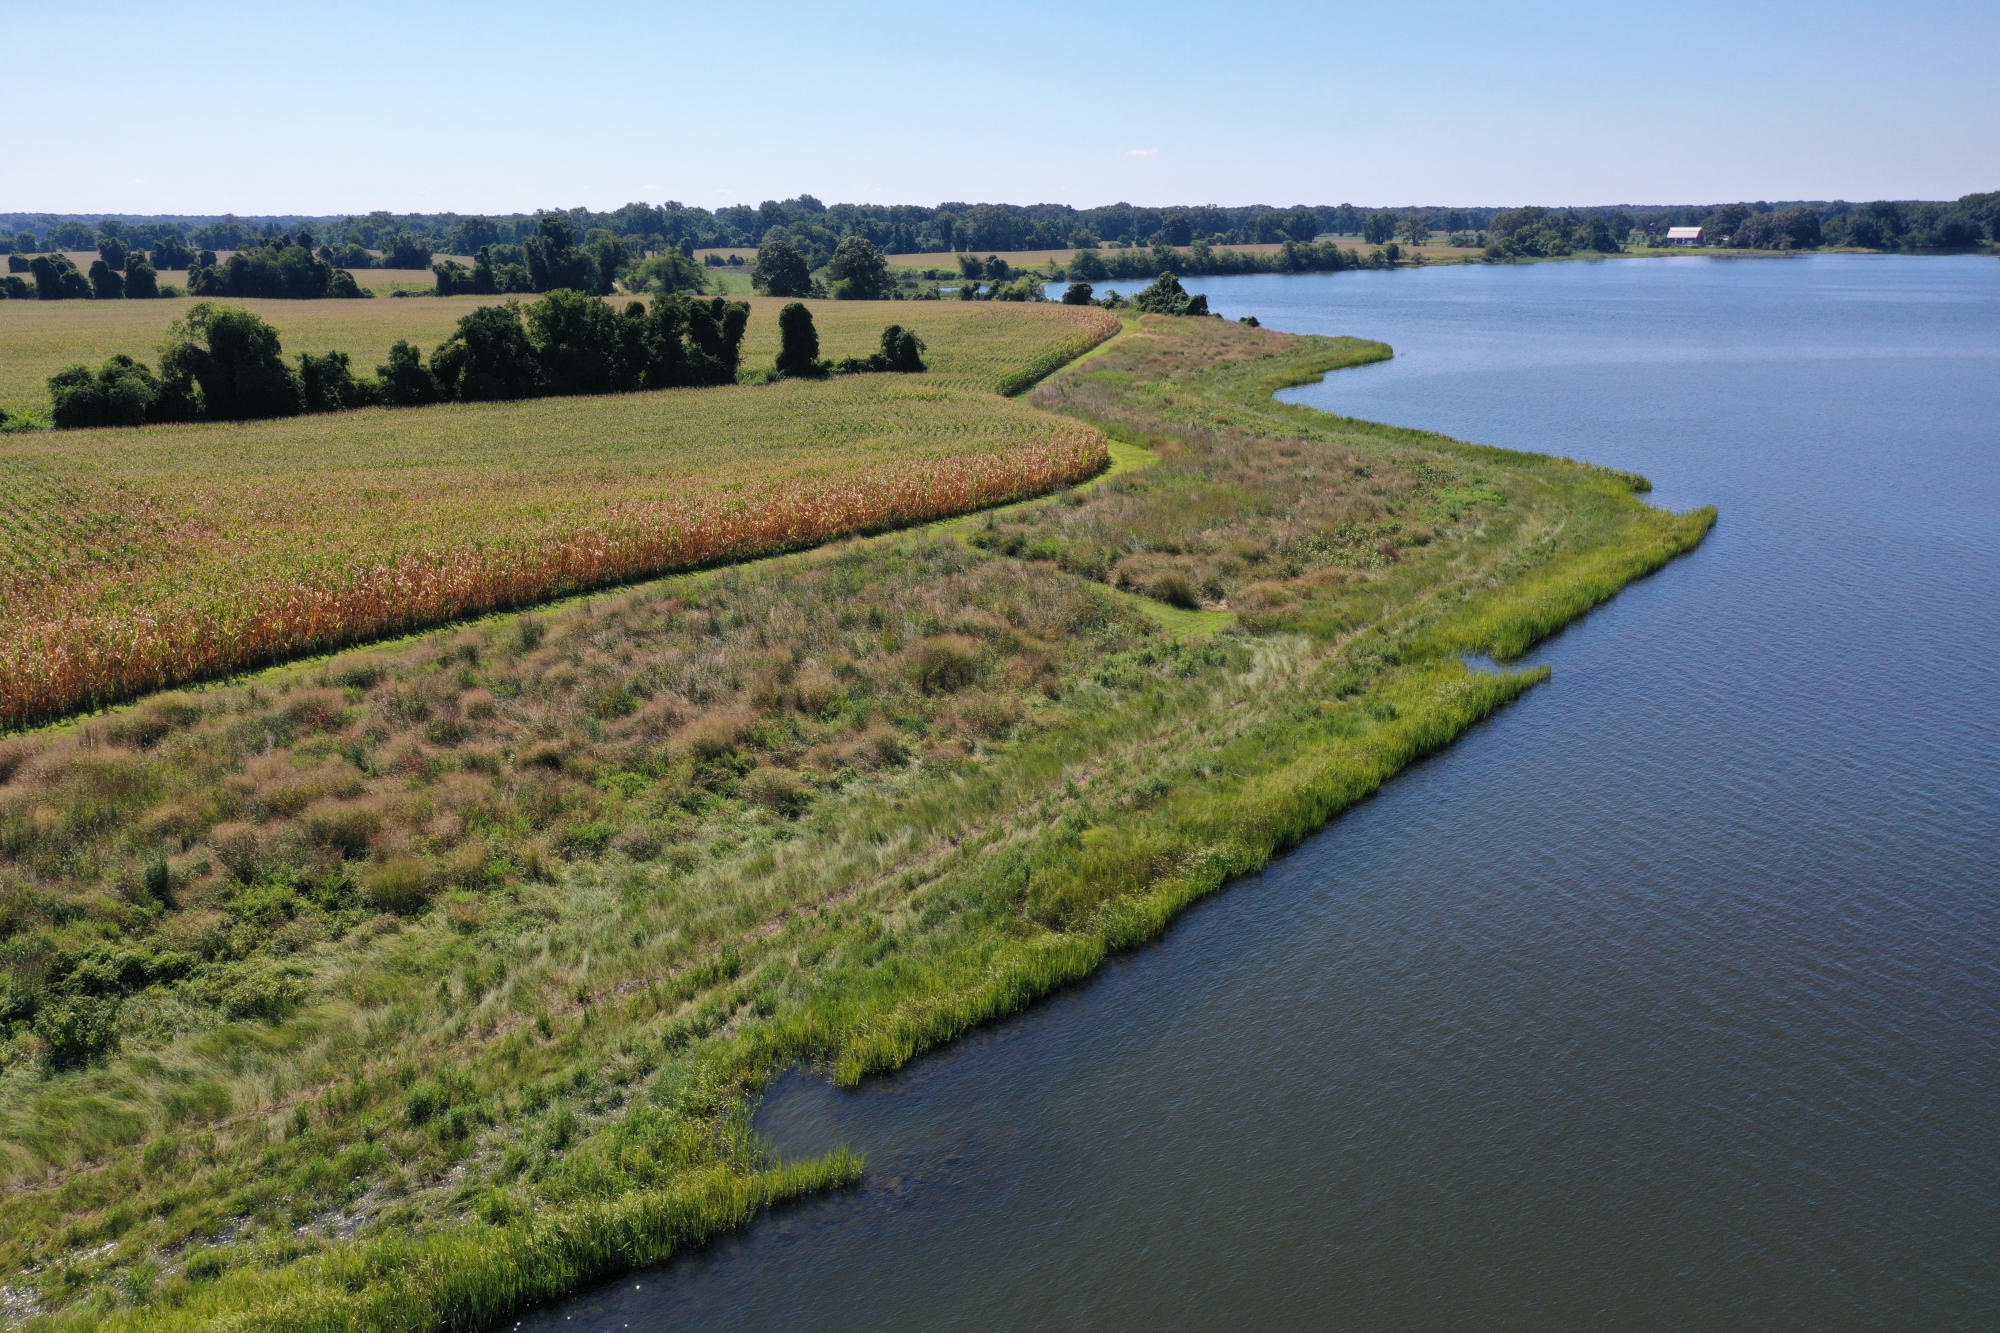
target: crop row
<point>84,657</point>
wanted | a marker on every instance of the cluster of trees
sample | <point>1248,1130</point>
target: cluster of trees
<point>1201,258</point>
<point>225,363</point>
<point>901,350</point>
<point>1165,296</point>
<point>280,266</point>
<point>857,270</point>
<point>1539,233</point>
<point>117,274</point>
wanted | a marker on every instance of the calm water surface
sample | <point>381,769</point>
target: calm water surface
<point>1668,999</point>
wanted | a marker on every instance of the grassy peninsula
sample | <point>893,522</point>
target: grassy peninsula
<point>430,980</point>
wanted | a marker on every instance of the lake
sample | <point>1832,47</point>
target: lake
<point>1667,999</point>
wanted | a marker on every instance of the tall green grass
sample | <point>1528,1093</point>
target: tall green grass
<point>470,1277</point>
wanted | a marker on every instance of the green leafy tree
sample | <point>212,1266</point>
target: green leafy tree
<point>141,282</point>
<point>1079,293</point>
<point>667,272</point>
<point>781,270</point>
<point>72,236</point>
<point>472,235</point>
<point>106,282</point>
<point>902,350</point>
<point>57,279</point>
<point>489,357</point>
<point>328,384</point>
<point>553,260</point>
<point>1167,297</point>
<point>609,256</point>
<point>237,362</point>
<point>1379,228</point>
<point>576,339</point>
<point>858,271</point>
<point>1089,265</point>
<point>403,250</point>
<point>119,393</point>
<point>1416,228</point>
<point>798,343</point>
<point>111,250</point>
<point>406,381</point>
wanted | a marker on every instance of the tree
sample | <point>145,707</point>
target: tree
<point>106,283</point>
<point>1089,264</point>
<point>554,262</point>
<point>1301,224</point>
<point>1416,228</point>
<point>72,236</point>
<point>576,339</point>
<point>781,270</point>
<point>473,234</point>
<point>489,357</point>
<point>798,351</point>
<point>118,394</point>
<point>112,251</point>
<point>403,250</point>
<point>1379,228</point>
<point>902,350</point>
<point>1167,297</point>
<point>714,331</point>
<point>327,384</point>
<point>406,381</point>
<point>236,360</point>
<point>57,279</point>
<point>668,271</point>
<point>858,272</point>
<point>141,283</point>
<point>1079,293</point>
<point>609,255</point>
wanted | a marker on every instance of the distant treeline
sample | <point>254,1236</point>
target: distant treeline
<point>408,240</point>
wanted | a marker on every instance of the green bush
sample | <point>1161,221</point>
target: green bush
<point>77,1030</point>
<point>798,350</point>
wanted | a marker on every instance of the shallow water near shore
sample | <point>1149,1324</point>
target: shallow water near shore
<point>1667,999</point>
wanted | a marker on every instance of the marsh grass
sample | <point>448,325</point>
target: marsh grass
<point>833,808</point>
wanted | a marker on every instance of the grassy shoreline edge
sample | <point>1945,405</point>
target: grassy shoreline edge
<point>1135,873</point>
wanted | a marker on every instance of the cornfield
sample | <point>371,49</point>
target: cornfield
<point>134,561</point>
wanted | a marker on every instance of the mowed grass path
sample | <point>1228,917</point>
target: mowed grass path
<point>135,559</point>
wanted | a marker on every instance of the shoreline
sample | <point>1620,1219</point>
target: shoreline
<point>1000,876</point>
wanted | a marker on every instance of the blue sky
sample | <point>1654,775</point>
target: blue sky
<point>266,109</point>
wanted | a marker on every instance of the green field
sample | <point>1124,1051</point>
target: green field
<point>407,988</point>
<point>143,558</point>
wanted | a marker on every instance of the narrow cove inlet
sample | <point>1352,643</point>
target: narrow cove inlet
<point>1666,997</point>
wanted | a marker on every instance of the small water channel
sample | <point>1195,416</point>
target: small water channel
<point>1668,999</point>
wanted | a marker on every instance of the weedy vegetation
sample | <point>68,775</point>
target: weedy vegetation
<point>404,988</point>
